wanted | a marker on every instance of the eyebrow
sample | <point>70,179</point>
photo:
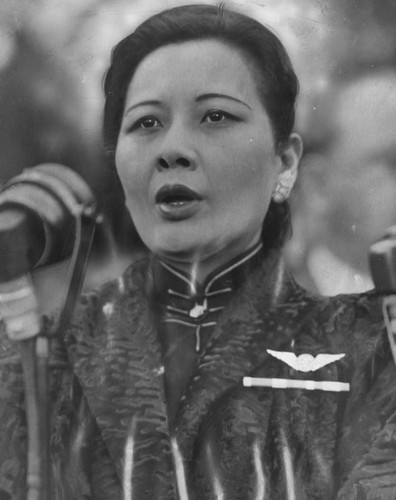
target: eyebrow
<point>151,102</point>
<point>223,96</point>
<point>202,97</point>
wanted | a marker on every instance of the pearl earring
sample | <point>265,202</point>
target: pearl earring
<point>280,192</point>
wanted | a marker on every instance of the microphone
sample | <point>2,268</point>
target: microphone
<point>38,211</point>
<point>382,260</point>
<point>46,214</point>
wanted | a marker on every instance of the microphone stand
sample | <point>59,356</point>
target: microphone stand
<point>19,310</point>
<point>389,312</point>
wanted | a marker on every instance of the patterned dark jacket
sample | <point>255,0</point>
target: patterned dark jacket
<point>110,435</point>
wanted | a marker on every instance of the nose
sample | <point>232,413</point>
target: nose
<point>169,162</point>
<point>176,150</point>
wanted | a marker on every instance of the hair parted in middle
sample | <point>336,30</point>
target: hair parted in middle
<point>277,83</point>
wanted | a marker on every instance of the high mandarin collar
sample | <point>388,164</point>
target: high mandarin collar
<point>230,275</point>
<point>184,301</point>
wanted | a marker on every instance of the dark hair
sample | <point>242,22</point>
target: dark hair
<point>276,80</point>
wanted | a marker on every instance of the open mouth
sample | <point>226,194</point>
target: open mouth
<point>176,195</point>
<point>177,202</point>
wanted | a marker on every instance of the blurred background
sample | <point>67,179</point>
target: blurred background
<point>53,54</point>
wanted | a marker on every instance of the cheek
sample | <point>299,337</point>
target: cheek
<point>130,171</point>
<point>122,166</point>
<point>252,168</point>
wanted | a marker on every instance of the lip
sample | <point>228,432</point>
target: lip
<point>177,202</point>
<point>174,191</point>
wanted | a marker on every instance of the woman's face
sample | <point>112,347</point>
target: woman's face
<point>196,153</point>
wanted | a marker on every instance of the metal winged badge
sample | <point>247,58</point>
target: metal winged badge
<point>305,362</point>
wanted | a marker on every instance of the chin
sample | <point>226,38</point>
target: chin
<point>175,245</point>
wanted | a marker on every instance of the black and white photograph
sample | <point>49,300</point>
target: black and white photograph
<point>197,250</point>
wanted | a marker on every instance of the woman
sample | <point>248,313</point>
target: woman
<point>149,401</point>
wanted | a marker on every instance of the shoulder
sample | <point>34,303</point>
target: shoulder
<point>362,309</point>
<point>353,322</point>
<point>110,299</point>
<point>360,318</point>
<point>342,308</point>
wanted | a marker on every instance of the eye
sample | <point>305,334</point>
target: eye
<point>147,122</point>
<point>218,116</point>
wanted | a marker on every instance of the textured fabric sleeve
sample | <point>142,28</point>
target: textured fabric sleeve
<point>12,421</point>
<point>367,452</point>
<point>374,477</point>
<point>13,429</point>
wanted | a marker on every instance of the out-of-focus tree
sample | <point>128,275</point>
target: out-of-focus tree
<point>367,29</point>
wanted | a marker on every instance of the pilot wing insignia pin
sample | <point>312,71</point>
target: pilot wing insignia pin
<point>305,362</point>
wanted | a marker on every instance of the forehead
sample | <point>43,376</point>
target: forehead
<point>193,67</point>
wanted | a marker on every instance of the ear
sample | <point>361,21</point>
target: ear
<point>289,156</point>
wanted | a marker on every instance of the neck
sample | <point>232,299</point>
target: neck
<point>200,269</point>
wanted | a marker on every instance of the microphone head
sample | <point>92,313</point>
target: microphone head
<point>382,260</point>
<point>38,211</point>
<point>22,241</point>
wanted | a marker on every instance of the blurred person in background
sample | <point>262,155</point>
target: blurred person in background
<point>346,195</point>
